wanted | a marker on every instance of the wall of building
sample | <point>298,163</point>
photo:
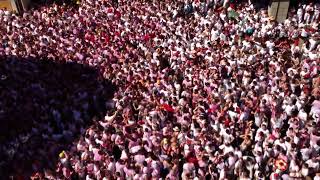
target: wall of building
<point>25,4</point>
<point>279,9</point>
<point>6,4</point>
<point>12,5</point>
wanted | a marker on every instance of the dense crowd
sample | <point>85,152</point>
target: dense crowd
<point>205,90</point>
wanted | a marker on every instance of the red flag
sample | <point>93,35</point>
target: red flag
<point>167,107</point>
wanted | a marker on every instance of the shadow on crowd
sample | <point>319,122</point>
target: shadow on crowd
<point>39,3</point>
<point>44,107</point>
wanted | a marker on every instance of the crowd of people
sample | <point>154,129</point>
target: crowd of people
<point>206,90</point>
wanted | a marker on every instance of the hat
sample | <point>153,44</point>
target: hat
<point>62,154</point>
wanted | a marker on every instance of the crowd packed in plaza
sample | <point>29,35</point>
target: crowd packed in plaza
<point>206,90</point>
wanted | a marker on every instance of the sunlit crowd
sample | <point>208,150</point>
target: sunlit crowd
<point>206,90</point>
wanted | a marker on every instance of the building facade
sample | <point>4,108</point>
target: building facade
<point>15,5</point>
